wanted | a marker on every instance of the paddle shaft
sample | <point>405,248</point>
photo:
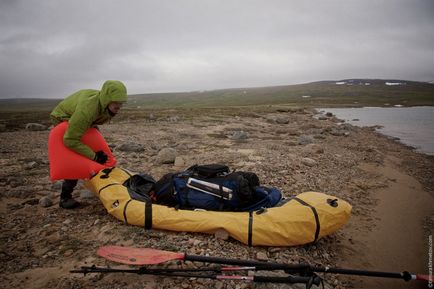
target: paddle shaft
<point>298,268</point>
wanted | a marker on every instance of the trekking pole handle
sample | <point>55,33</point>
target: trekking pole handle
<point>406,276</point>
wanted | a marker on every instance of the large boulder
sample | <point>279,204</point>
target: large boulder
<point>166,156</point>
<point>130,147</point>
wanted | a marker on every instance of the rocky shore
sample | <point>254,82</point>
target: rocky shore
<point>293,149</point>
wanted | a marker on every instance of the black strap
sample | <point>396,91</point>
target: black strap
<point>109,185</point>
<point>315,213</point>
<point>125,211</point>
<point>148,215</point>
<point>250,229</point>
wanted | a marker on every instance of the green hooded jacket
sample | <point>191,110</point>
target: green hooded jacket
<point>85,109</point>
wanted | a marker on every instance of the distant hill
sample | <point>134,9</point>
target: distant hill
<point>27,104</point>
<point>346,92</point>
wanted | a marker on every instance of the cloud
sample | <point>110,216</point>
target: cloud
<point>58,46</point>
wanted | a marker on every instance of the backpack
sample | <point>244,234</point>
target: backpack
<point>214,187</point>
<point>139,187</point>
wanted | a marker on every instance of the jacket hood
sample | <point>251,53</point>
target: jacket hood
<point>112,90</point>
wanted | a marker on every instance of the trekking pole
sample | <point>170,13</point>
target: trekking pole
<point>142,256</point>
<point>194,273</point>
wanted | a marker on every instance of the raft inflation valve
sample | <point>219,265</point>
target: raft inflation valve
<point>115,204</point>
<point>332,202</point>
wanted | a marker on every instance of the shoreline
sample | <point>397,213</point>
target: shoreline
<point>414,132</point>
<point>402,207</point>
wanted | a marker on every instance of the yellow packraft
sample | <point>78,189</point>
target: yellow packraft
<point>299,220</point>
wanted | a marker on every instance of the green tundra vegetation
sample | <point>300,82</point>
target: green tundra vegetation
<point>344,93</point>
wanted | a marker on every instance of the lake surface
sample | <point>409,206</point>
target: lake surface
<point>414,126</point>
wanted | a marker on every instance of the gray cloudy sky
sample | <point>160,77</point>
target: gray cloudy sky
<point>51,48</point>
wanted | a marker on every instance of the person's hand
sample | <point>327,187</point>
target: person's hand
<point>100,157</point>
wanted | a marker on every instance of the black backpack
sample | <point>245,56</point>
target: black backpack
<point>213,187</point>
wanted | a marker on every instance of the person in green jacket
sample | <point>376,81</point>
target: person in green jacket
<point>85,109</point>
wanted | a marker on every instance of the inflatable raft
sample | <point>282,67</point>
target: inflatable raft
<point>298,220</point>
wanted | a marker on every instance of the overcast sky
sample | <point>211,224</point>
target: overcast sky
<point>51,48</point>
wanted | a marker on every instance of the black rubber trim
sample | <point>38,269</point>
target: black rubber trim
<point>125,211</point>
<point>315,213</point>
<point>250,233</point>
<point>148,215</point>
<point>109,185</point>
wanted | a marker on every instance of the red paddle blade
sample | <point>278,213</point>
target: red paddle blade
<point>137,256</point>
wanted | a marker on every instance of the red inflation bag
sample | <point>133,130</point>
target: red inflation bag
<point>68,164</point>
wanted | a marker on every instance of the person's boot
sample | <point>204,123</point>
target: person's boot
<point>66,200</point>
<point>68,203</point>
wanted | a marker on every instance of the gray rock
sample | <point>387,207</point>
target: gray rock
<point>31,165</point>
<point>315,131</point>
<point>308,162</point>
<point>313,149</point>
<point>339,132</point>
<point>35,127</point>
<point>282,120</point>
<point>221,234</point>
<point>24,191</point>
<point>15,181</point>
<point>240,135</point>
<point>219,285</point>
<point>293,131</point>
<point>270,119</point>
<point>166,156</point>
<point>305,139</point>
<point>261,256</point>
<point>112,146</point>
<point>179,162</point>
<point>45,202</point>
<point>67,222</point>
<point>2,127</point>
<point>173,118</point>
<point>347,127</point>
<point>130,147</point>
<point>57,185</point>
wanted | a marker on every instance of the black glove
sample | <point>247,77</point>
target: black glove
<point>100,157</point>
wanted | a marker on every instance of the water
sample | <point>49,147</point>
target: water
<point>414,126</point>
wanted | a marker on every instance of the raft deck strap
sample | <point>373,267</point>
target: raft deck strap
<point>148,215</point>
<point>250,229</point>
<point>125,211</point>
<point>315,213</point>
<point>109,185</point>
